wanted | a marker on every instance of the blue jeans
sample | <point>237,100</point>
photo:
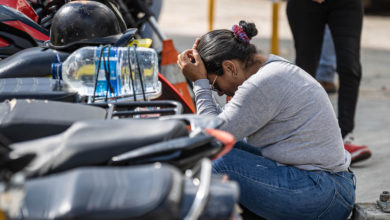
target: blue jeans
<point>327,67</point>
<point>276,191</point>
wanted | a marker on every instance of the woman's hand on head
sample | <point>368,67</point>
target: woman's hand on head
<point>191,64</point>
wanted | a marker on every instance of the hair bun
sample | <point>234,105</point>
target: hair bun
<point>249,28</point>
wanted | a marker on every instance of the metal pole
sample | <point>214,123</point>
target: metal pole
<point>211,14</point>
<point>275,28</point>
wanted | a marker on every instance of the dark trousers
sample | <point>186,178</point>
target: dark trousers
<point>307,20</point>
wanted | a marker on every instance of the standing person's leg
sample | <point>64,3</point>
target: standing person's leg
<point>276,191</point>
<point>327,66</point>
<point>307,22</point>
<point>345,23</point>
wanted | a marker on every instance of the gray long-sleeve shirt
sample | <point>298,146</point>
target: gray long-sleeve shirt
<point>285,112</point>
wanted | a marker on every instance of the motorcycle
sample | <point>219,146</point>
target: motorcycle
<point>37,62</point>
<point>36,153</point>
<point>54,164</point>
<point>17,30</point>
<point>37,125</point>
<point>34,19</point>
<point>25,24</point>
<point>138,192</point>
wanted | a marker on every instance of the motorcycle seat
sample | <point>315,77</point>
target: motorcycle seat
<point>95,142</point>
<point>31,62</point>
<point>138,192</point>
<point>23,119</point>
<point>36,88</point>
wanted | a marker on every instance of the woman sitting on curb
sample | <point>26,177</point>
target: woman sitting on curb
<point>291,163</point>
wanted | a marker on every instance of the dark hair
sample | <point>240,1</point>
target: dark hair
<point>219,45</point>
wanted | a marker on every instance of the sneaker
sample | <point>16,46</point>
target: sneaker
<point>358,152</point>
<point>330,87</point>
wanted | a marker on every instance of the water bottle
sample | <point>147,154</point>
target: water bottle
<point>130,71</point>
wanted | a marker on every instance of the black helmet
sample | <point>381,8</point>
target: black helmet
<point>84,23</point>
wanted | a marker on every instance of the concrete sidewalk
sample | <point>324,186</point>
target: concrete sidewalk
<point>183,20</point>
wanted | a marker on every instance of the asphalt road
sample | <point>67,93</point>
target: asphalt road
<point>183,20</point>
